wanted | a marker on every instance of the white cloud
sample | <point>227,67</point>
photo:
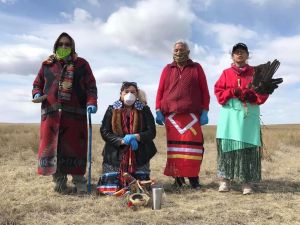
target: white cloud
<point>8,1</point>
<point>15,101</point>
<point>81,16</point>
<point>66,15</point>
<point>281,2</point>
<point>28,38</point>
<point>134,43</point>
<point>112,74</point>
<point>202,5</point>
<point>229,34</point>
<point>147,30</point>
<point>143,30</point>
<point>94,2</point>
<point>21,59</point>
<point>286,50</point>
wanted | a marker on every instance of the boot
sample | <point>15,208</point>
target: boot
<point>194,182</point>
<point>179,181</point>
<point>60,182</point>
<point>80,184</point>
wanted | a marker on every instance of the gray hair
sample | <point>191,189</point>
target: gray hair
<point>184,43</point>
<point>142,96</point>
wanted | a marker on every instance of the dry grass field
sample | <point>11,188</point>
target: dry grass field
<point>27,198</point>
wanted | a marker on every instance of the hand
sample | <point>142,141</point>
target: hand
<point>128,138</point>
<point>91,109</point>
<point>204,117</point>
<point>37,95</point>
<point>249,95</point>
<point>134,144</point>
<point>237,91</point>
<point>160,119</point>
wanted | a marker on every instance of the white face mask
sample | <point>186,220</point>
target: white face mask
<point>129,99</point>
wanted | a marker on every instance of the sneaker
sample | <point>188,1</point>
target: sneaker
<point>179,181</point>
<point>247,189</point>
<point>194,182</point>
<point>224,186</point>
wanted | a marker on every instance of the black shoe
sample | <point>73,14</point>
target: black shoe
<point>179,181</point>
<point>194,182</point>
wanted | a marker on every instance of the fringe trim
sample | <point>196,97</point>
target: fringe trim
<point>228,145</point>
<point>243,165</point>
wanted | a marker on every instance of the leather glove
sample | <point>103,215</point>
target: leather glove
<point>204,117</point>
<point>237,92</point>
<point>128,138</point>
<point>92,109</point>
<point>134,144</point>
<point>37,95</point>
<point>160,119</point>
<point>248,95</point>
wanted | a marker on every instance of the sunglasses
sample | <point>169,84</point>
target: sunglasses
<point>67,44</point>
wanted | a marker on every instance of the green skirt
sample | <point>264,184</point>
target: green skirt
<point>243,165</point>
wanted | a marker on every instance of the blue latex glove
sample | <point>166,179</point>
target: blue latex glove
<point>160,119</point>
<point>128,138</point>
<point>37,95</point>
<point>92,109</point>
<point>204,117</point>
<point>134,144</point>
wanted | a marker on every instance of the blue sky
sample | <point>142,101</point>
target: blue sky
<point>132,40</point>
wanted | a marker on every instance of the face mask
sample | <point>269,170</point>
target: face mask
<point>129,99</point>
<point>181,57</point>
<point>62,53</point>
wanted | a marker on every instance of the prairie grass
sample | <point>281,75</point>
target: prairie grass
<point>27,198</point>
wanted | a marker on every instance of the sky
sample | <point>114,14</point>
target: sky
<point>133,40</point>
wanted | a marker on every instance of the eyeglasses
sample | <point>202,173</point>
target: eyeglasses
<point>67,44</point>
<point>239,52</point>
<point>127,83</point>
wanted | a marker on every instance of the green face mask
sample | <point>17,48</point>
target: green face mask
<point>62,53</point>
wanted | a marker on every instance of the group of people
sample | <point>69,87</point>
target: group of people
<point>67,90</point>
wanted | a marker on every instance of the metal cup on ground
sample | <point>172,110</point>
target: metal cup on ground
<point>157,192</point>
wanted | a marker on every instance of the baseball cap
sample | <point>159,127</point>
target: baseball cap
<point>240,46</point>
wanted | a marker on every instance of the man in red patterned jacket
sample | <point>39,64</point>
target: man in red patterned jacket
<point>66,87</point>
<point>182,104</point>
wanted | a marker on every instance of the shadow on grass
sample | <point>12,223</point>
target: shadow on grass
<point>272,186</point>
<point>173,189</point>
<point>71,191</point>
<point>265,186</point>
<point>278,186</point>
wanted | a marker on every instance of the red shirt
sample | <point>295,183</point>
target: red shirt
<point>182,90</point>
<point>232,78</point>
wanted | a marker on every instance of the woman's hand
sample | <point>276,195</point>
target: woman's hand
<point>131,139</point>
<point>128,138</point>
<point>248,95</point>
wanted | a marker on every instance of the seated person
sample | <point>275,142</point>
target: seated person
<point>128,129</point>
